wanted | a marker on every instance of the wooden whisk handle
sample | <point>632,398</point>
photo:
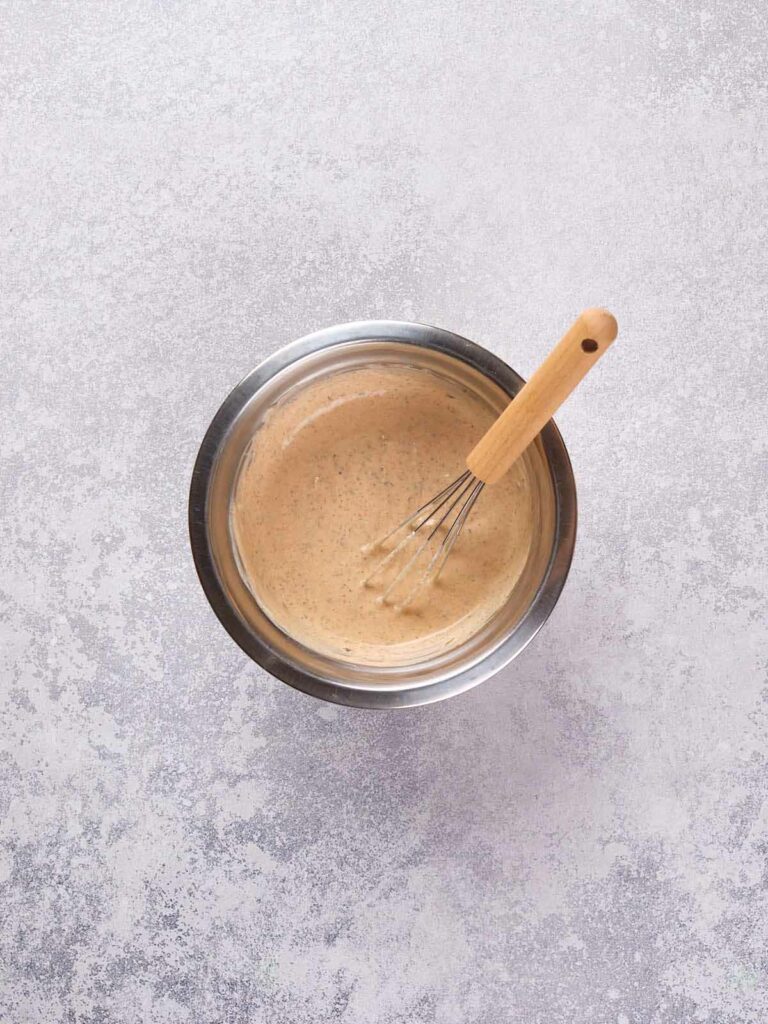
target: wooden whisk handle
<point>571,359</point>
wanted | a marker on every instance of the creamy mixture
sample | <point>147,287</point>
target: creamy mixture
<point>339,463</point>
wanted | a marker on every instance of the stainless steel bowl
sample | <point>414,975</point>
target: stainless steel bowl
<point>215,476</point>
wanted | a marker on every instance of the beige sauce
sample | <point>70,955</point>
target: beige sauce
<point>339,463</point>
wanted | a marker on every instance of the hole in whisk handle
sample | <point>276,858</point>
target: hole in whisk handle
<point>589,345</point>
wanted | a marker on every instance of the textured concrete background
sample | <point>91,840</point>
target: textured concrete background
<point>185,187</point>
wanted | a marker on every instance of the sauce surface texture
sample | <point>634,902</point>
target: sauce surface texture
<point>340,462</point>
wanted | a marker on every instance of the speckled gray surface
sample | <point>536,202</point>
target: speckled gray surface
<point>186,187</point>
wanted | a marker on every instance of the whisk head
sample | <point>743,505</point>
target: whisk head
<point>428,536</point>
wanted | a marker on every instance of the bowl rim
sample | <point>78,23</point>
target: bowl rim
<point>385,696</point>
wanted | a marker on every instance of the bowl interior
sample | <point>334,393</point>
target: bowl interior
<point>264,640</point>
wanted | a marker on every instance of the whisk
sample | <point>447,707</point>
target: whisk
<point>434,528</point>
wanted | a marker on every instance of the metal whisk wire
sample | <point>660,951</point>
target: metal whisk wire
<point>459,496</point>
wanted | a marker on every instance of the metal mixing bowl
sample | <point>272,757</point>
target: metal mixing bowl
<point>215,476</point>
